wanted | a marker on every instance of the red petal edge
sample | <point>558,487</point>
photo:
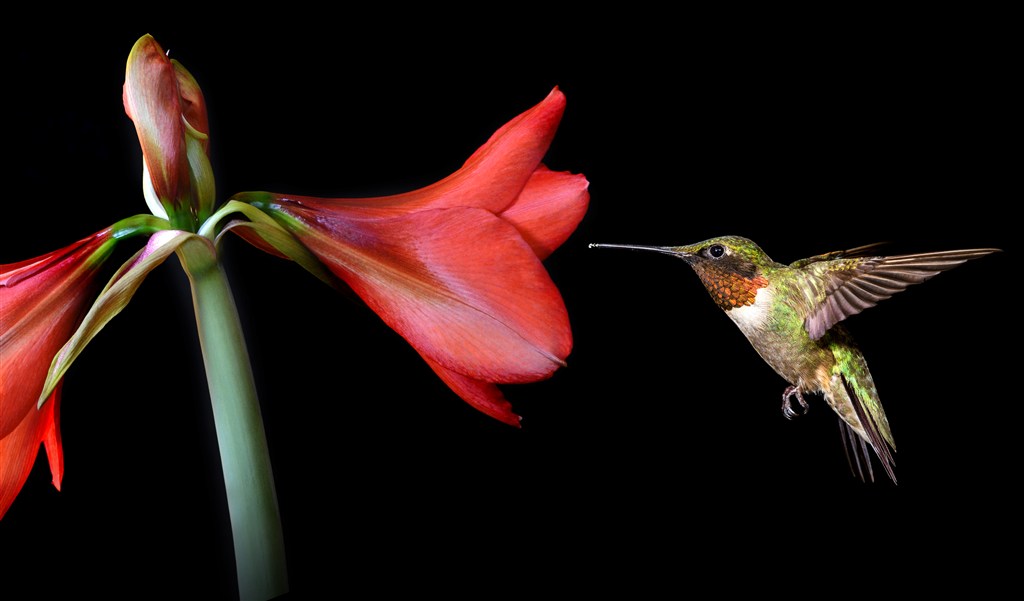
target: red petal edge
<point>20,448</point>
<point>484,396</point>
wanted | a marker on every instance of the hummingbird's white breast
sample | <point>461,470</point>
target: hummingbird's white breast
<point>753,317</point>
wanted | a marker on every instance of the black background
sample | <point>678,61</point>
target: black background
<point>659,457</point>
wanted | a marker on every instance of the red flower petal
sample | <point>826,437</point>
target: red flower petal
<point>549,208</point>
<point>484,396</point>
<point>491,178</point>
<point>462,284</point>
<point>21,446</point>
<point>459,284</point>
<point>193,105</point>
<point>42,301</point>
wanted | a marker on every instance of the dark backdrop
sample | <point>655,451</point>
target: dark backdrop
<point>659,457</point>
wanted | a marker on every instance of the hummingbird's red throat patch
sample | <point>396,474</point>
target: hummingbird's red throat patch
<point>730,290</point>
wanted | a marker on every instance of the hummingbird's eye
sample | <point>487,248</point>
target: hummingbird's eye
<point>716,251</point>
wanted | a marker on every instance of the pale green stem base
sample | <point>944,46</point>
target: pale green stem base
<point>252,500</point>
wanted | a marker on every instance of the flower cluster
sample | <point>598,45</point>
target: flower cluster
<point>455,267</point>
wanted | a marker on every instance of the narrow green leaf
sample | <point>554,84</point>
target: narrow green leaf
<point>115,296</point>
<point>285,243</point>
<point>265,233</point>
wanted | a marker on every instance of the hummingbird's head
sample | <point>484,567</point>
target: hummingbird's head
<point>730,267</point>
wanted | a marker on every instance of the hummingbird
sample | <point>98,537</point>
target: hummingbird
<point>791,314</point>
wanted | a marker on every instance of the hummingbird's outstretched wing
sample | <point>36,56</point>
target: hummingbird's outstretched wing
<point>836,288</point>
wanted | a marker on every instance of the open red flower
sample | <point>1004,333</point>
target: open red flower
<point>455,267</point>
<point>42,301</point>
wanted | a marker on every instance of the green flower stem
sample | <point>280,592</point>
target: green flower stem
<point>252,500</point>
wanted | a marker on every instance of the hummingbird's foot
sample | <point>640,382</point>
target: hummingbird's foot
<point>787,403</point>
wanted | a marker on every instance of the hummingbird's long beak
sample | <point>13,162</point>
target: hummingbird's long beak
<point>675,251</point>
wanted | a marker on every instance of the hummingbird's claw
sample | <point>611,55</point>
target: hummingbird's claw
<point>787,403</point>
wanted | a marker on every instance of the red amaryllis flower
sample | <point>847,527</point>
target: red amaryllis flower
<point>42,301</point>
<point>455,267</point>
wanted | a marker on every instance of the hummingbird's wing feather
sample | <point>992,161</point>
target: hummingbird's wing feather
<point>839,288</point>
<point>860,251</point>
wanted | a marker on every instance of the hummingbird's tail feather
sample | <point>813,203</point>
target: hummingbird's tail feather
<point>872,435</point>
<point>853,442</point>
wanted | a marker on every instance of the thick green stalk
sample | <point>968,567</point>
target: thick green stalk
<point>252,500</point>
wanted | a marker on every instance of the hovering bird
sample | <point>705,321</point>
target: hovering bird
<point>789,313</point>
